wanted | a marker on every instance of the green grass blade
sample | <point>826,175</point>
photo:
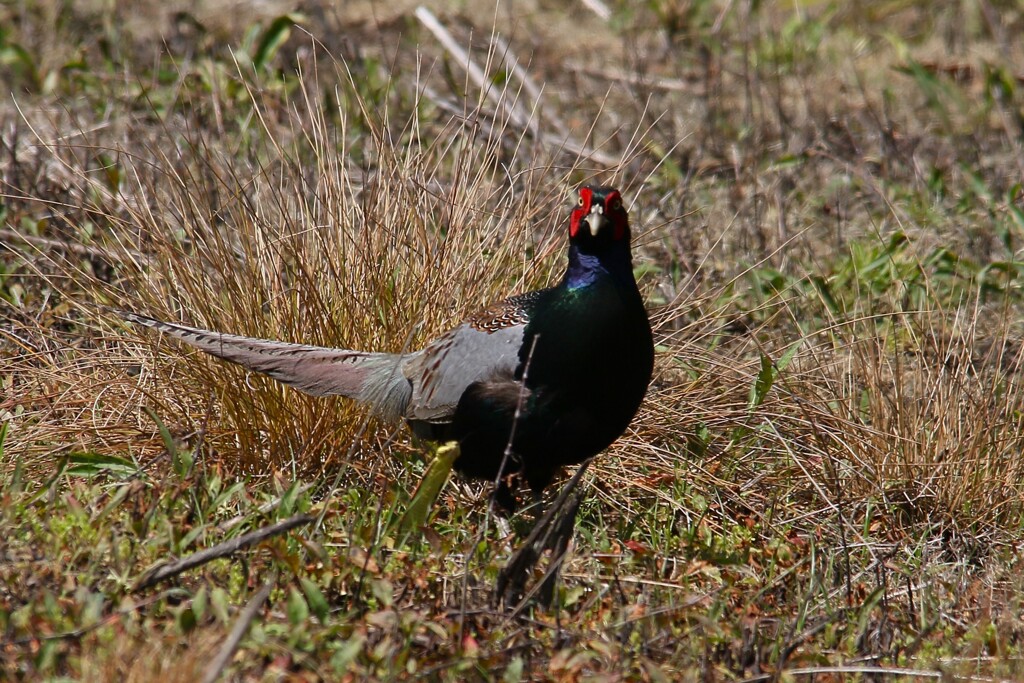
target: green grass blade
<point>430,486</point>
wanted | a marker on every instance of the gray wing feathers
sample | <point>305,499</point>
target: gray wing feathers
<point>373,378</point>
<point>425,385</point>
<point>443,370</point>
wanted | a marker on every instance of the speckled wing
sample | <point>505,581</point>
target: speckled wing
<point>485,347</point>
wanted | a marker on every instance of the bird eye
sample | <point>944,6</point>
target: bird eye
<point>615,205</point>
<point>580,201</point>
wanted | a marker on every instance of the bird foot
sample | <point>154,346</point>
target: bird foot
<point>553,532</point>
<point>503,501</point>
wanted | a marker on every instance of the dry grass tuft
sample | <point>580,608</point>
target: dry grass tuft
<point>828,218</point>
<point>296,244</point>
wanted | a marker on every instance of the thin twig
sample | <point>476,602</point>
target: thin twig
<point>166,571</point>
<point>870,670</point>
<point>644,80</point>
<point>523,393</point>
<point>475,73</point>
<point>201,435</point>
<point>598,8</point>
<point>78,633</point>
<point>561,141</point>
<point>229,524</point>
<point>518,415</point>
<point>10,236</point>
<point>227,650</point>
<point>532,91</point>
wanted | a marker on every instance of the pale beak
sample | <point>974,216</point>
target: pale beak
<point>596,221</point>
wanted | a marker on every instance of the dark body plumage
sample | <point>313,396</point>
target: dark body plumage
<point>591,362</point>
<point>584,347</point>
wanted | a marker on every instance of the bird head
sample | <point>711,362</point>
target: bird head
<point>599,219</point>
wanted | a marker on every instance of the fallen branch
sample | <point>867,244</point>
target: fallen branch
<point>165,571</point>
<point>689,85</point>
<point>598,8</point>
<point>527,121</point>
<point>227,650</point>
<point>475,73</point>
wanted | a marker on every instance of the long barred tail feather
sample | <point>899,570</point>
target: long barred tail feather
<point>373,378</point>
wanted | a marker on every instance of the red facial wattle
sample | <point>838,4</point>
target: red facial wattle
<point>581,210</point>
<point>609,208</point>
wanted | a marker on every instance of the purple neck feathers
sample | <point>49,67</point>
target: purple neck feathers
<point>585,269</point>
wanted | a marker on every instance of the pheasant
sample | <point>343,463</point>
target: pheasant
<point>527,385</point>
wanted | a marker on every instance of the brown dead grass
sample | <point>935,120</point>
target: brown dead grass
<point>377,200</point>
